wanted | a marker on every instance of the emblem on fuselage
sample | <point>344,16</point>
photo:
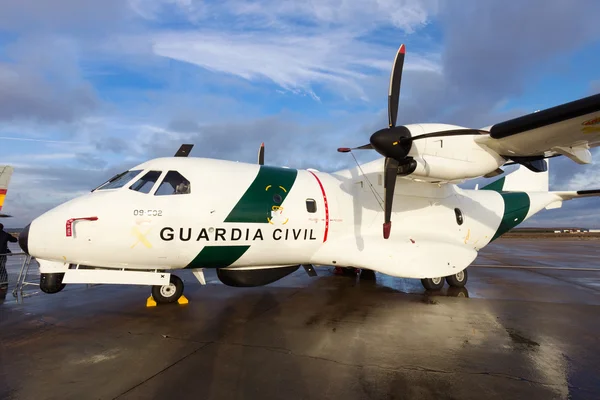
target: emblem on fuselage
<point>277,217</point>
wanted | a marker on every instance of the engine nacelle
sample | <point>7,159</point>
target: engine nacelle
<point>449,158</point>
<point>440,169</point>
<point>253,277</point>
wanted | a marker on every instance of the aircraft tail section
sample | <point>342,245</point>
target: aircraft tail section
<point>525,193</point>
<point>522,180</point>
<point>6,172</point>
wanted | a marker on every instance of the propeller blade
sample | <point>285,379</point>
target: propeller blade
<point>349,149</point>
<point>261,154</point>
<point>394,89</point>
<point>389,182</point>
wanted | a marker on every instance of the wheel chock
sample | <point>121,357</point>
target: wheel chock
<point>182,300</point>
<point>150,302</point>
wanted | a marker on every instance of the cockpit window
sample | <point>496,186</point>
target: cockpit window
<point>174,183</point>
<point>119,180</point>
<point>146,182</point>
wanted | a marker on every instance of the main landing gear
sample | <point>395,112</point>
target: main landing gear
<point>457,280</point>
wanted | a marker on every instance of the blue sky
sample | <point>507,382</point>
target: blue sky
<point>89,88</point>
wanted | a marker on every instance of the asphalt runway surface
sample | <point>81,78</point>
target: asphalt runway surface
<point>514,332</point>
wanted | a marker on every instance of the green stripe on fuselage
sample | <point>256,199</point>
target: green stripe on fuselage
<point>270,188</point>
<point>217,256</point>
<point>496,185</point>
<point>516,207</point>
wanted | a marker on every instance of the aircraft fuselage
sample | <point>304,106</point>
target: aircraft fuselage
<point>251,216</point>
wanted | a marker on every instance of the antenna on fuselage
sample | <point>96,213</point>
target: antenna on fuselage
<point>184,150</point>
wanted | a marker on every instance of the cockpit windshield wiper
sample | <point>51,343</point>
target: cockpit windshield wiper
<point>117,176</point>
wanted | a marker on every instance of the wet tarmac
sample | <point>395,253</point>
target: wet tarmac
<point>513,333</point>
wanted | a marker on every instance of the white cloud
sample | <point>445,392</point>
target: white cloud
<point>295,63</point>
<point>296,45</point>
<point>40,157</point>
<point>589,179</point>
<point>407,15</point>
<point>24,139</point>
<point>153,9</point>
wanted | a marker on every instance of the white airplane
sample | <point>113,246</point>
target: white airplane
<point>6,172</point>
<point>256,224</point>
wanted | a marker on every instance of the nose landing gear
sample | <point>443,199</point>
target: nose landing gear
<point>170,293</point>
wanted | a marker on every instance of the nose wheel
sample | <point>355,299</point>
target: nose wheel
<point>168,293</point>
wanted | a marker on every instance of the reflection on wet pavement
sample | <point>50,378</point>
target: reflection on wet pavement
<point>511,333</point>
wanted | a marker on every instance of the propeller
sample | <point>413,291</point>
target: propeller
<point>261,154</point>
<point>389,142</point>
<point>395,142</point>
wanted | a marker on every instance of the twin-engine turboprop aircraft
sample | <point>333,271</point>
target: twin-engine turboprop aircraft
<point>256,224</point>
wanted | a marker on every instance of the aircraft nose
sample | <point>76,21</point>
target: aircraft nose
<point>24,239</point>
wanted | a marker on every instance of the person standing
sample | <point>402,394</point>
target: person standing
<point>5,237</point>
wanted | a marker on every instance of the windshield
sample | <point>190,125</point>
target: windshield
<point>146,182</point>
<point>119,180</point>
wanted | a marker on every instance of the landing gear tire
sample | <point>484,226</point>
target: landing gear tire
<point>433,283</point>
<point>367,274</point>
<point>168,293</point>
<point>350,271</point>
<point>458,280</point>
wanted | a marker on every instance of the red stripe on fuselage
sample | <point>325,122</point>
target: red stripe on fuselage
<point>326,206</point>
<point>2,191</point>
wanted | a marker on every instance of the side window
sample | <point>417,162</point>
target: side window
<point>174,183</point>
<point>311,205</point>
<point>146,182</point>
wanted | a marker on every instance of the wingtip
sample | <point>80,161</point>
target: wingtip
<point>262,144</point>
<point>344,149</point>
<point>402,49</point>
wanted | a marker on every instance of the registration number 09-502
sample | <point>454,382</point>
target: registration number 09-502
<point>147,213</point>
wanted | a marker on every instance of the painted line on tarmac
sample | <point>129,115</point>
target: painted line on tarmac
<point>534,267</point>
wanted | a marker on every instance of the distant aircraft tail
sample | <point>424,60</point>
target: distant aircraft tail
<point>6,172</point>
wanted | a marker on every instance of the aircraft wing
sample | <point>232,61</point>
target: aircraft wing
<point>570,129</point>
